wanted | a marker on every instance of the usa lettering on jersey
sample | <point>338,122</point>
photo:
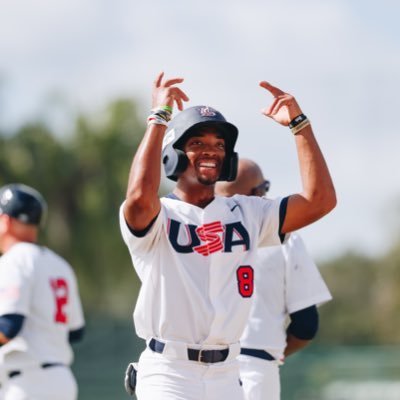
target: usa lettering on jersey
<point>208,238</point>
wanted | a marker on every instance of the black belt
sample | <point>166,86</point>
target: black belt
<point>257,353</point>
<point>11,374</point>
<point>204,356</point>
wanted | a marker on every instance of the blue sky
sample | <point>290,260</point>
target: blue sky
<point>341,59</point>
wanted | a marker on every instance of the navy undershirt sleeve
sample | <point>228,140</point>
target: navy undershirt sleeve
<point>11,324</point>
<point>142,232</point>
<point>76,335</point>
<point>304,323</point>
<point>282,215</point>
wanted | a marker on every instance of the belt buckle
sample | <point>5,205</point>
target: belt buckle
<point>199,358</point>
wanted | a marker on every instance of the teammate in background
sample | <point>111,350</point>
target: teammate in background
<point>288,286</point>
<point>195,252</point>
<point>40,308</point>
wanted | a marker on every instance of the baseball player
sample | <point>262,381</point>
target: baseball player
<point>40,308</point>
<point>287,286</point>
<point>195,252</point>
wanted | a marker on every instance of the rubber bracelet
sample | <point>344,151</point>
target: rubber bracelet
<point>166,108</point>
<point>296,121</point>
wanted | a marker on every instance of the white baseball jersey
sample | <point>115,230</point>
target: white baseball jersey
<point>40,285</point>
<point>287,281</point>
<point>196,267</point>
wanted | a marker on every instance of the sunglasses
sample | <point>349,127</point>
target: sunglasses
<point>261,189</point>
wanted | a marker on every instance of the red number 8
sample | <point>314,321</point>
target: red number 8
<point>245,277</point>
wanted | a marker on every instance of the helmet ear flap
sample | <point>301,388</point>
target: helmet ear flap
<point>175,162</point>
<point>230,168</point>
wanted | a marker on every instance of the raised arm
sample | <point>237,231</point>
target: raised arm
<point>142,201</point>
<point>318,196</point>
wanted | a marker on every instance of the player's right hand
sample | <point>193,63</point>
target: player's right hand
<point>165,93</point>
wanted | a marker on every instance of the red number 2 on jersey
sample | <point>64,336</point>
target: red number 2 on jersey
<point>245,277</point>
<point>60,290</point>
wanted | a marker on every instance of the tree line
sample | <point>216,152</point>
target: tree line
<point>83,176</point>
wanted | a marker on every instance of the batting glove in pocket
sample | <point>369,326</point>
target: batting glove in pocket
<point>130,378</point>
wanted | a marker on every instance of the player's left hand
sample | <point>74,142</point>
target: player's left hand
<point>284,107</point>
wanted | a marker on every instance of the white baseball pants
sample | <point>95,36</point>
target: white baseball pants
<point>260,378</point>
<point>38,383</point>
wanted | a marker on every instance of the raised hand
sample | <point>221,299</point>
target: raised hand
<point>165,93</point>
<point>284,107</point>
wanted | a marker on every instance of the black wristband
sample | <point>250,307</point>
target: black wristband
<point>296,121</point>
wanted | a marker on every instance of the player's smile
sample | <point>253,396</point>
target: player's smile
<point>208,164</point>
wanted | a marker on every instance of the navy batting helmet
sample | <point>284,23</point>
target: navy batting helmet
<point>186,123</point>
<point>22,203</point>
